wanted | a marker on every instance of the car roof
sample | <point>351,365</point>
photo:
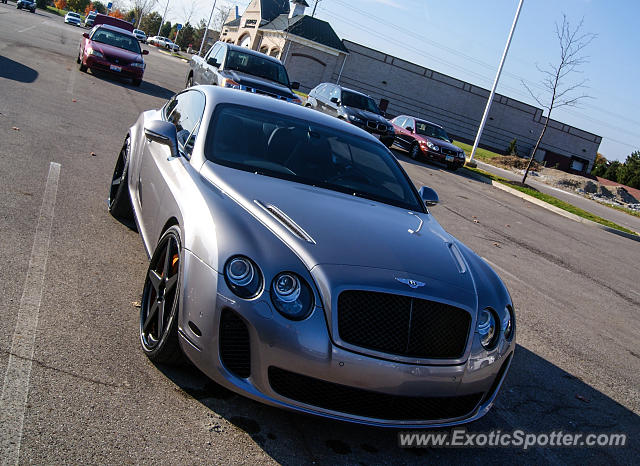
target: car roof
<point>115,29</point>
<point>220,95</point>
<point>250,52</point>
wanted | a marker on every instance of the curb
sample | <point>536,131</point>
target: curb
<point>170,55</point>
<point>550,207</point>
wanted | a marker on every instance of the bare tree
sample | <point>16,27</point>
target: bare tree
<point>188,10</point>
<point>557,92</point>
<point>141,8</point>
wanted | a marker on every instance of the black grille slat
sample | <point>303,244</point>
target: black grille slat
<point>235,348</point>
<point>450,152</point>
<point>365,403</point>
<point>387,323</point>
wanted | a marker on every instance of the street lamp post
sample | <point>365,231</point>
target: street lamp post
<point>493,89</point>
<point>163,15</point>
<point>206,31</point>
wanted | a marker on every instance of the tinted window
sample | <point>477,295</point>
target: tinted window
<point>409,124</point>
<point>433,131</point>
<point>363,102</point>
<point>212,51</point>
<point>257,66</point>
<point>116,39</point>
<point>400,121</point>
<point>302,151</point>
<point>185,111</point>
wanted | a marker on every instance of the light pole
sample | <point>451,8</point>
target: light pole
<point>163,15</point>
<point>493,89</point>
<point>206,31</point>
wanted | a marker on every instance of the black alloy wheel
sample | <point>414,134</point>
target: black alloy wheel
<point>160,301</point>
<point>414,151</point>
<point>119,199</point>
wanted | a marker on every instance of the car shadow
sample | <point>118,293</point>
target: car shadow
<point>537,397</point>
<point>146,87</point>
<point>10,69</point>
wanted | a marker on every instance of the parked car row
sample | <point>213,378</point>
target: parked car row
<point>164,42</point>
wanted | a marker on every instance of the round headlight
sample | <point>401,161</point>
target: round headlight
<point>432,146</point>
<point>243,277</point>
<point>291,296</point>
<point>487,328</point>
<point>508,323</point>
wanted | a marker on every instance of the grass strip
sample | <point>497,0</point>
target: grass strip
<point>554,201</point>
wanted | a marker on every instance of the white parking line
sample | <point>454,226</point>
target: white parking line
<point>16,380</point>
<point>634,291</point>
<point>28,29</point>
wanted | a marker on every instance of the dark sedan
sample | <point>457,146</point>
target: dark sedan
<point>425,139</point>
<point>113,50</point>
<point>355,107</point>
<point>26,5</point>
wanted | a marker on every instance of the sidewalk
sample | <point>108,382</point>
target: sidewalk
<point>625,220</point>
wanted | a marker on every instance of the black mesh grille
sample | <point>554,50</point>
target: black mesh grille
<point>446,151</point>
<point>235,350</point>
<point>402,325</point>
<point>359,402</point>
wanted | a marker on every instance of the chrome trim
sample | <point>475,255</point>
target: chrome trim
<point>286,221</point>
<point>415,232</point>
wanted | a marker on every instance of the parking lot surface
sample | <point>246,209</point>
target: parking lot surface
<point>93,397</point>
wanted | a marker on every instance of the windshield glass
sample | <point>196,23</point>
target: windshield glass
<point>297,150</point>
<point>363,102</point>
<point>257,66</point>
<point>75,15</point>
<point>432,131</point>
<point>116,39</point>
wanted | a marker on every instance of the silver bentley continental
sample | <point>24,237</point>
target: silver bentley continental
<point>294,262</point>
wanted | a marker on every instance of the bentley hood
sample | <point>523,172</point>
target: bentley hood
<point>324,227</point>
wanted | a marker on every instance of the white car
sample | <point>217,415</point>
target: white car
<point>140,35</point>
<point>73,18</point>
<point>160,41</point>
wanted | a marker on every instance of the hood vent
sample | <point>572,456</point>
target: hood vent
<point>285,220</point>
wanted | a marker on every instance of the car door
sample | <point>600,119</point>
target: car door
<point>401,136</point>
<point>409,129</point>
<point>201,65</point>
<point>156,158</point>
<point>331,108</point>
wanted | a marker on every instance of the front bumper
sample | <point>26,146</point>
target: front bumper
<point>104,65</point>
<point>440,157</point>
<point>306,350</point>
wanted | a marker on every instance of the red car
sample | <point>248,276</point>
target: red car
<point>425,139</point>
<point>114,50</point>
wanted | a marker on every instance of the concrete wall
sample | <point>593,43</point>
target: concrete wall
<point>310,66</point>
<point>458,105</point>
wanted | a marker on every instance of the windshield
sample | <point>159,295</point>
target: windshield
<point>363,102</point>
<point>257,66</point>
<point>75,15</point>
<point>116,39</point>
<point>432,131</point>
<point>297,150</point>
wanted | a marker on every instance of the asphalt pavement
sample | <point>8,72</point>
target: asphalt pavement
<point>93,397</point>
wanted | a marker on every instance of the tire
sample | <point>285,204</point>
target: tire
<point>78,59</point>
<point>119,200</point>
<point>136,82</point>
<point>160,301</point>
<point>82,67</point>
<point>189,81</point>
<point>414,151</point>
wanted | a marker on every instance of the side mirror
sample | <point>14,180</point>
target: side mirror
<point>409,128</point>
<point>213,62</point>
<point>85,35</point>
<point>295,85</point>
<point>428,196</point>
<point>335,100</point>
<point>162,132</point>
<point>145,52</point>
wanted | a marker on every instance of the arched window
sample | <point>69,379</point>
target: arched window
<point>245,41</point>
<point>275,52</point>
<point>264,49</point>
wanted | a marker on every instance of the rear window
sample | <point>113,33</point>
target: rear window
<point>256,65</point>
<point>289,148</point>
<point>116,39</point>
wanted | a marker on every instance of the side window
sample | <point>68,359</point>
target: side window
<point>400,121</point>
<point>185,112</point>
<point>317,92</point>
<point>326,92</point>
<point>219,56</point>
<point>335,92</point>
<point>212,53</point>
<point>410,123</point>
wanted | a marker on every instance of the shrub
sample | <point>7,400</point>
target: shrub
<point>60,4</point>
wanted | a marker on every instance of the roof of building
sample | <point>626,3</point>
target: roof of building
<point>271,9</point>
<point>307,27</point>
<point>233,23</point>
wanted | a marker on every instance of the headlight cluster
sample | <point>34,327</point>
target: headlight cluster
<point>489,326</point>
<point>461,155</point>
<point>230,83</point>
<point>355,119</point>
<point>137,65</point>
<point>290,294</point>
<point>432,146</point>
<point>95,53</point>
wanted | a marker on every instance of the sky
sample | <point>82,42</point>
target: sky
<point>465,39</point>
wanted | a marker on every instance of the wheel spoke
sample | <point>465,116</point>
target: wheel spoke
<point>167,258</point>
<point>155,280</point>
<point>152,312</point>
<point>161,318</point>
<point>171,282</point>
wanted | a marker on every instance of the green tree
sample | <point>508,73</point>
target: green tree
<point>513,147</point>
<point>629,172</point>
<point>186,36</point>
<point>151,23</point>
<point>77,5</point>
<point>166,29</point>
<point>611,171</point>
<point>42,4</point>
<point>100,7</point>
<point>130,16</point>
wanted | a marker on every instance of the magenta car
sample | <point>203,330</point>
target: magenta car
<point>114,50</point>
